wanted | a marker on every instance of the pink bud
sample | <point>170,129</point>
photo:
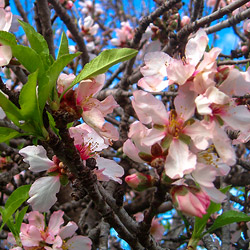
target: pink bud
<point>190,200</point>
<point>69,5</point>
<point>185,20</point>
<point>244,49</point>
<point>139,181</point>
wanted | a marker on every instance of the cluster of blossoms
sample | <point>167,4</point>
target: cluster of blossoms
<point>87,8</point>
<point>124,35</point>
<point>43,191</point>
<point>36,235</point>
<point>189,148</point>
<point>89,138</point>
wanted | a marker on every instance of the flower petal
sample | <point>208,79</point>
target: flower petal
<point>36,157</point>
<point>43,193</point>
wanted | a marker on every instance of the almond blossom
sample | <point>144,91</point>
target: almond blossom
<point>93,111</point>
<point>52,237</point>
<point>43,191</point>
<point>159,65</point>
<point>87,26</point>
<point>89,143</point>
<point>173,130</point>
<point>124,35</point>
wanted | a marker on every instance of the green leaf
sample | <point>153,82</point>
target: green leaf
<point>15,200</point>
<point>52,124</point>
<point>57,67</point>
<point>200,223</point>
<point>19,218</point>
<point>7,134</point>
<point>28,58</point>
<point>36,40</point>
<point>102,63</point>
<point>226,218</point>
<point>10,109</point>
<point>64,46</point>
<point>28,99</point>
<point>7,38</point>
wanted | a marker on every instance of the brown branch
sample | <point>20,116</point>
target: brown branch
<point>62,13</point>
<point>229,22</point>
<point>21,11</point>
<point>182,35</point>
<point>44,16</point>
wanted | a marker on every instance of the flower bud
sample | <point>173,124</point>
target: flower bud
<point>185,20</point>
<point>139,181</point>
<point>190,200</point>
<point>244,49</point>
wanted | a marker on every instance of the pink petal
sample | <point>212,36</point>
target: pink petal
<point>36,157</point>
<point>180,160</point>
<point>148,108</point>
<point>79,242</point>
<point>43,193</point>
<point>5,55</point>
<point>196,46</point>
<point>223,146</point>
<point>36,219</point>
<point>131,151</point>
<point>184,102</point>
<point>110,170</point>
<point>56,220</point>
<point>238,117</point>
<point>179,72</point>
<point>30,235</point>
<point>68,230</point>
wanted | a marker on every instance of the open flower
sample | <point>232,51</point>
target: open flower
<point>173,130</point>
<point>52,237</point>
<point>43,191</point>
<point>89,143</point>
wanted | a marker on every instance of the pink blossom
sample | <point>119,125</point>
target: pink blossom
<point>87,7</point>
<point>185,20</point>
<point>87,26</point>
<point>174,128</point>
<point>5,23</point>
<point>160,65</point>
<point>124,35</point>
<point>94,110</point>
<point>190,200</point>
<point>89,142</point>
<point>43,191</point>
<point>64,81</point>
<point>52,237</point>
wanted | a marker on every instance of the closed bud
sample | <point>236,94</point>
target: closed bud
<point>190,200</point>
<point>140,181</point>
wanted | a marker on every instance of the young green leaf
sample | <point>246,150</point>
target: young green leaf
<point>28,58</point>
<point>64,46</point>
<point>28,99</point>
<point>36,40</point>
<point>7,38</point>
<point>7,134</point>
<point>102,63</point>
<point>15,200</point>
<point>57,67</point>
<point>10,109</point>
<point>226,218</point>
<point>19,218</point>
